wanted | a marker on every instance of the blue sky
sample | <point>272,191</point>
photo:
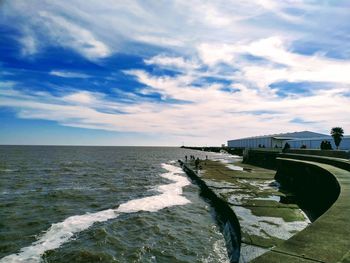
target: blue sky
<point>167,73</point>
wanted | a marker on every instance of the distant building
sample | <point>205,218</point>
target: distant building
<point>311,140</point>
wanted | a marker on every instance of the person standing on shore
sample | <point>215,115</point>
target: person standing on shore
<point>196,163</point>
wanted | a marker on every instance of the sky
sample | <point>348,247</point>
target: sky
<point>171,73</point>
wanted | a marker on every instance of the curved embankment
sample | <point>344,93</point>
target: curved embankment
<point>337,162</point>
<point>227,219</point>
<point>323,184</point>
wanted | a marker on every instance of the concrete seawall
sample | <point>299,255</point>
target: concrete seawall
<point>326,153</point>
<point>326,188</point>
<point>267,158</point>
<point>337,162</point>
<point>227,219</point>
<point>251,193</point>
<point>321,185</point>
<point>261,157</point>
<point>314,187</point>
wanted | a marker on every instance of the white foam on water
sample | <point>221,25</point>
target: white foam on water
<point>219,248</point>
<point>62,232</point>
<point>58,234</point>
<point>171,194</point>
<point>219,252</point>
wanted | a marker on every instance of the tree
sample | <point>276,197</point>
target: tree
<point>337,134</point>
<point>326,145</point>
<point>323,146</point>
<point>286,146</point>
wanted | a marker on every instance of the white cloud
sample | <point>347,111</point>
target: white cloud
<point>29,45</point>
<point>68,74</point>
<point>70,34</point>
<point>314,68</point>
<point>159,40</point>
<point>81,97</point>
<point>212,15</point>
<point>277,8</point>
<point>280,63</point>
<point>214,53</point>
<point>172,62</point>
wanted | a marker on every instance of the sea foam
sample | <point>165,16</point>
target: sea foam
<point>171,194</point>
<point>62,232</point>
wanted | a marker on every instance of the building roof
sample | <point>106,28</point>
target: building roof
<point>283,138</point>
<point>327,137</point>
<point>291,135</point>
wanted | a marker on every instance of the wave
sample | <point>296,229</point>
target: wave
<point>171,194</point>
<point>62,232</point>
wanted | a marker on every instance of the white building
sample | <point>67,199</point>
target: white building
<point>312,140</point>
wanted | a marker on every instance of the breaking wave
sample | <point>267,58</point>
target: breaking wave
<point>62,232</point>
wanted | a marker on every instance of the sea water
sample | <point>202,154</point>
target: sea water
<point>103,204</point>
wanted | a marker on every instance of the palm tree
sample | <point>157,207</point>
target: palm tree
<point>337,134</point>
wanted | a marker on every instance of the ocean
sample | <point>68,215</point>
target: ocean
<point>103,204</point>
